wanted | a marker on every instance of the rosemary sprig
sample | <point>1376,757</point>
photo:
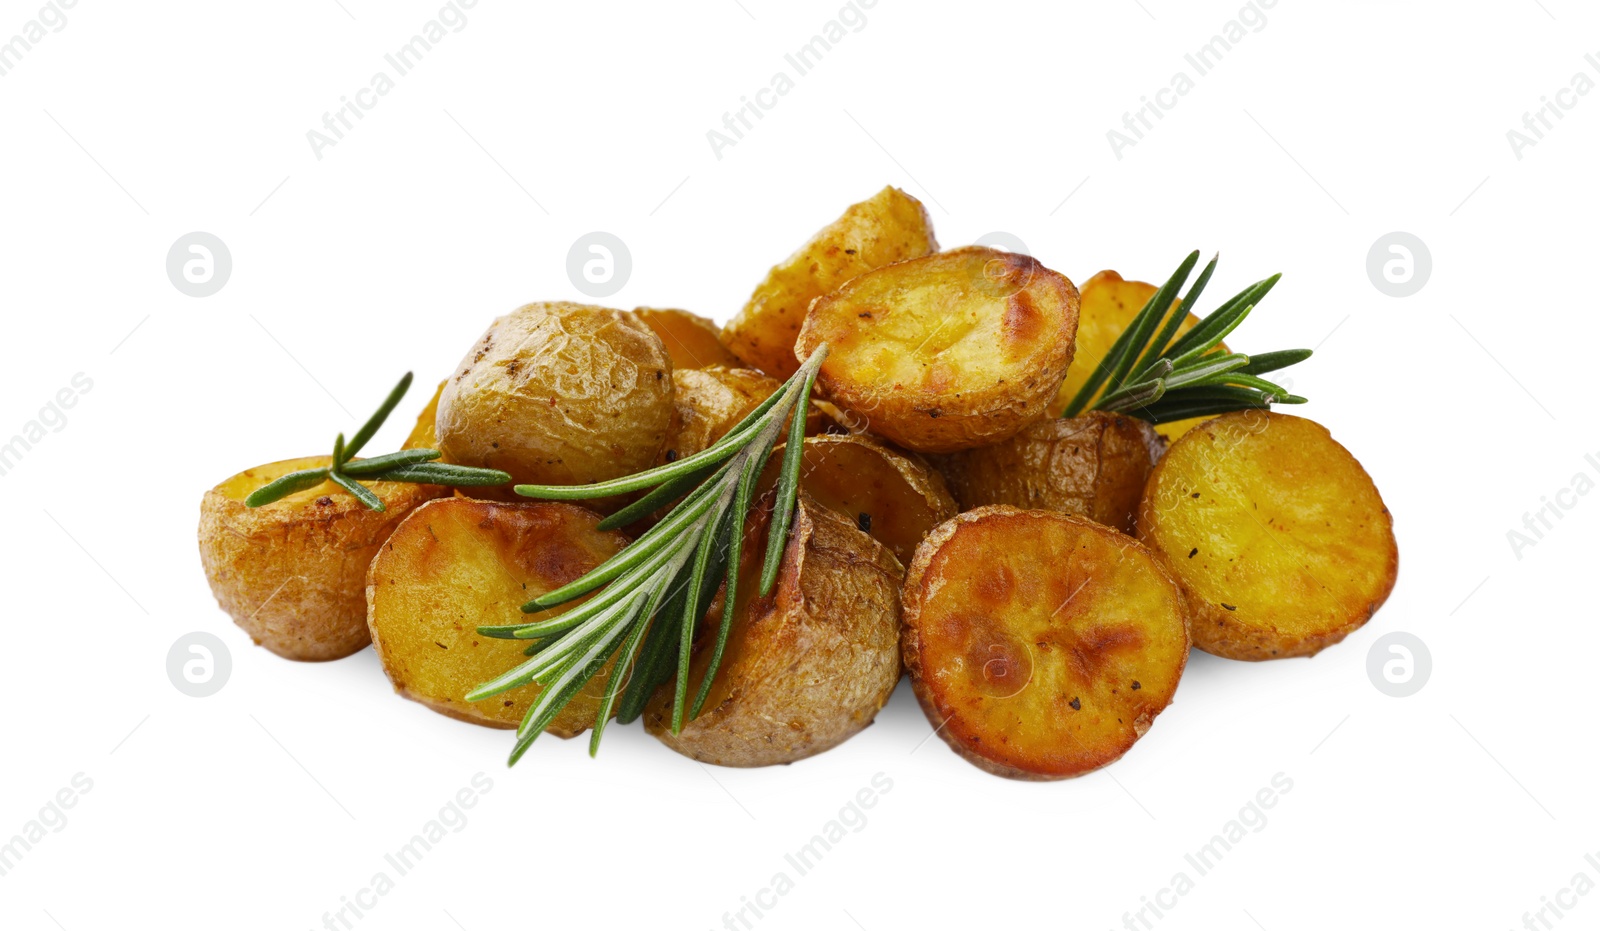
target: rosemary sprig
<point>1150,375</point>
<point>658,589</point>
<point>407,465</point>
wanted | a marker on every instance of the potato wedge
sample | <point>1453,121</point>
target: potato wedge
<point>692,341</point>
<point>425,435</point>
<point>293,573</point>
<point>1108,304</point>
<point>1280,540</point>
<point>1040,645</point>
<point>890,226</point>
<point>1094,466</point>
<point>806,667</point>
<point>946,352</point>
<point>457,564</point>
<point>559,394</point>
<point>894,496</point>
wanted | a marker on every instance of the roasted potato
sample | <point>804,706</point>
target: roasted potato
<point>692,341</point>
<point>709,402</point>
<point>1277,535</point>
<point>890,226</point>
<point>806,667</point>
<point>1108,305</point>
<point>293,573</point>
<point>894,496</point>
<point>1094,466</point>
<point>457,564</point>
<point>559,394</point>
<point>1040,645</point>
<point>946,352</point>
<point>425,435</point>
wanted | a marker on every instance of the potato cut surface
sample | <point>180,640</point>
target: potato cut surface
<point>1108,304</point>
<point>1278,536</point>
<point>890,226</point>
<point>1041,645</point>
<point>949,351</point>
<point>458,564</point>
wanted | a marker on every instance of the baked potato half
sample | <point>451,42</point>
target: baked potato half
<point>692,341</point>
<point>946,352</point>
<point>1094,466</point>
<point>890,226</point>
<point>1108,303</point>
<point>894,496</point>
<point>1278,536</point>
<point>559,394</point>
<point>293,573</point>
<point>457,564</point>
<point>806,667</point>
<point>1040,645</point>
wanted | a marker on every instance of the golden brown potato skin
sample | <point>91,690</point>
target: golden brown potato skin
<point>890,226</point>
<point>559,394</point>
<point>425,434</point>
<point>806,667</point>
<point>1040,645</point>
<point>1107,304</point>
<point>946,352</point>
<point>1094,466</point>
<point>293,573</point>
<point>893,495</point>
<point>457,564</point>
<point>1279,538</point>
<point>709,402</point>
<point>692,341</point>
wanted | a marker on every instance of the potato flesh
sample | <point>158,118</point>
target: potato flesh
<point>458,564</point>
<point>1044,644</point>
<point>893,496</point>
<point>560,394</point>
<point>1278,536</point>
<point>292,573</point>
<point>947,352</point>
<point>1108,304</point>
<point>806,667</point>
<point>1094,466</point>
<point>890,226</point>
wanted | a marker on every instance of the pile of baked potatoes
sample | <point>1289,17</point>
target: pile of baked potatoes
<point>1041,579</point>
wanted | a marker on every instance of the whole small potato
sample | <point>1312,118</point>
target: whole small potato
<point>293,573</point>
<point>806,667</point>
<point>559,394</point>
<point>1093,466</point>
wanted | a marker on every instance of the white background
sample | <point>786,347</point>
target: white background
<point>456,199</point>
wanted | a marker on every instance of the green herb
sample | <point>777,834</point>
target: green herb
<point>1150,374</point>
<point>658,589</point>
<point>407,465</point>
